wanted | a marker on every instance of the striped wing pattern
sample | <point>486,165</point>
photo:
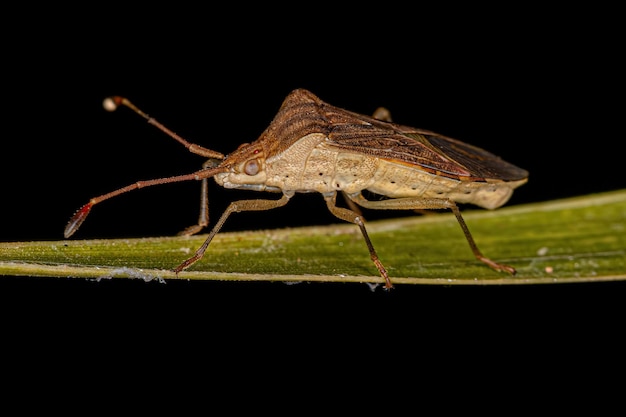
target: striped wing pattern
<point>303,113</point>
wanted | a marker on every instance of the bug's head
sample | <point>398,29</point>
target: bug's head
<point>246,168</point>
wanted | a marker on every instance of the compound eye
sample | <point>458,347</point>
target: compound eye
<point>251,167</point>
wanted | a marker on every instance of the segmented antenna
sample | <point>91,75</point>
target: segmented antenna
<point>113,102</point>
<point>210,170</point>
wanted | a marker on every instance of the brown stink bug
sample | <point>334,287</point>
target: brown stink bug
<point>311,146</point>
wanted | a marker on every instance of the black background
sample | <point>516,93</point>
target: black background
<point>541,88</point>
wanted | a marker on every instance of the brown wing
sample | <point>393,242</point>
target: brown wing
<point>429,150</point>
<point>302,113</point>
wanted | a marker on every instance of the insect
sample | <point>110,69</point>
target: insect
<point>312,146</point>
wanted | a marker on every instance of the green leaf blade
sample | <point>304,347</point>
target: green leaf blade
<point>580,239</point>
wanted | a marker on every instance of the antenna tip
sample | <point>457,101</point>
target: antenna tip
<point>109,104</point>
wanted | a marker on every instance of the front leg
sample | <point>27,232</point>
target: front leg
<point>432,204</point>
<point>203,218</point>
<point>234,207</point>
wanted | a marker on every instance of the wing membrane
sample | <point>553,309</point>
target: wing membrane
<point>303,113</point>
<point>429,150</point>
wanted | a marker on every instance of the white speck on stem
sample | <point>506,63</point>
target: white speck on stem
<point>542,251</point>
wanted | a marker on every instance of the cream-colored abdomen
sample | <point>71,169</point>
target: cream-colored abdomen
<point>398,180</point>
<point>309,165</point>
